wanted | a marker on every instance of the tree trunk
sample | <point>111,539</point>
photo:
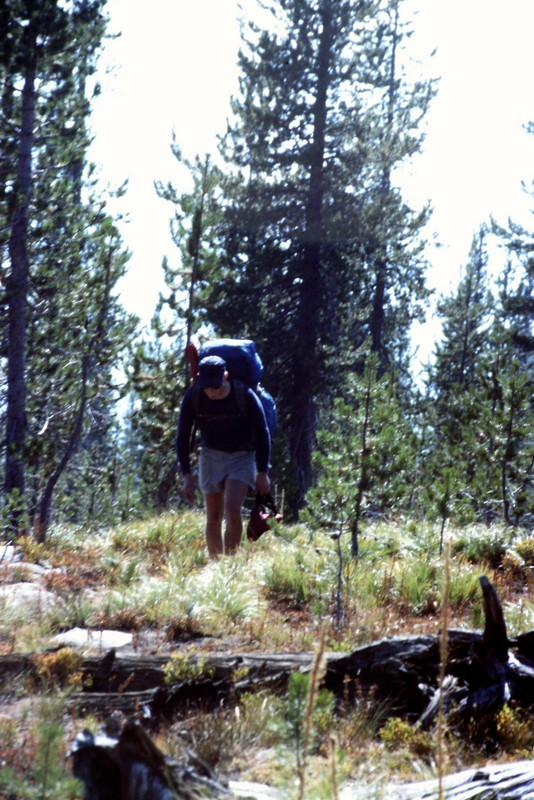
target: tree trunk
<point>165,486</point>
<point>46,499</point>
<point>17,299</point>
<point>305,363</point>
<point>378,314</point>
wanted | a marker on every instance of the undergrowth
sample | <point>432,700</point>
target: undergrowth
<point>282,593</point>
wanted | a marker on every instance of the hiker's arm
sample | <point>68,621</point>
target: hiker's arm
<point>183,437</point>
<point>262,438</point>
<point>189,487</point>
<point>263,484</point>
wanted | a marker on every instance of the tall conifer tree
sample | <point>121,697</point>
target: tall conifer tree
<point>517,287</point>
<point>467,315</point>
<point>479,449</point>
<point>319,249</point>
<point>64,326</point>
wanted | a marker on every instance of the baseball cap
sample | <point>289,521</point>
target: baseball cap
<point>211,372</point>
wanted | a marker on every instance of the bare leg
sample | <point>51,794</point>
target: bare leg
<point>234,494</point>
<point>214,516</point>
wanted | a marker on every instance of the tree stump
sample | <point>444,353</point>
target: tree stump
<point>126,764</point>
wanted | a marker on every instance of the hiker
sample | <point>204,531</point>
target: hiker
<point>235,450</point>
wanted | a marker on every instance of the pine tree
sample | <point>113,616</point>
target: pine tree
<point>74,347</point>
<point>479,452</point>
<point>194,224</point>
<point>456,388</point>
<point>365,459</point>
<point>466,316</point>
<point>161,372</point>
<point>65,329</point>
<point>517,287</point>
<point>319,250</point>
<point>157,377</point>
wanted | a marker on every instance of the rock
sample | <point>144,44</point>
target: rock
<point>21,571</point>
<point>8,554</point>
<point>244,790</point>
<point>94,640</point>
<point>26,599</point>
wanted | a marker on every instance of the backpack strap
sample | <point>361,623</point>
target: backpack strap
<point>240,388</point>
<point>195,400</point>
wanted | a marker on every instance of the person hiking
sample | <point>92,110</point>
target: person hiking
<point>234,454</point>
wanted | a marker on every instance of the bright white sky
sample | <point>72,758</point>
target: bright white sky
<point>174,68</point>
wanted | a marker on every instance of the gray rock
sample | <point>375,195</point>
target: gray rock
<point>245,790</point>
<point>26,599</point>
<point>8,554</point>
<point>94,640</point>
<point>21,568</point>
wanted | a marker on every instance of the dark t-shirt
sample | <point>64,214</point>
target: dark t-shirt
<point>223,425</point>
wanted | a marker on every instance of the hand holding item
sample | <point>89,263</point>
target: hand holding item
<point>263,514</point>
<point>189,488</point>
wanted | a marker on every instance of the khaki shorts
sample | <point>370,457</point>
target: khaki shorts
<point>216,466</point>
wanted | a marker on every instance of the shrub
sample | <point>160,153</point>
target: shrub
<point>397,734</point>
<point>515,732</point>
<point>60,669</point>
<point>33,767</point>
<point>482,545</point>
<point>183,667</point>
<point>525,549</point>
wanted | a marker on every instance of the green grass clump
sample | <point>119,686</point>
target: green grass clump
<point>482,545</point>
<point>297,577</point>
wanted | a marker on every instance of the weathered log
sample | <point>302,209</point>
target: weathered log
<point>401,673</point>
<point>482,685</point>
<point>132,684</point>
<point>495,642</point>
<point>499,782</point>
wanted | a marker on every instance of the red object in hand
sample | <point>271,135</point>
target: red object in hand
<point>263,514</point>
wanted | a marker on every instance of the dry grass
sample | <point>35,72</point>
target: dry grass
<point>152,578</point>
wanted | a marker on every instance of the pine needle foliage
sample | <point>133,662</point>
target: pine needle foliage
<point>364,459</point>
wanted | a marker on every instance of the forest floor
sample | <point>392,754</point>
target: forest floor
<point>151,579</point>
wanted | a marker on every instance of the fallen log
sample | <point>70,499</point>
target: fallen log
<point>484,669</point>
<point>480,675</point>
<point>500,782</point>
<point>130,684</point>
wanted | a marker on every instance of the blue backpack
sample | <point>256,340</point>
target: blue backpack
<point>243,364</point>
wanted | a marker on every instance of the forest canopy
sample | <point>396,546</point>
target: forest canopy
<point>293,234</point>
